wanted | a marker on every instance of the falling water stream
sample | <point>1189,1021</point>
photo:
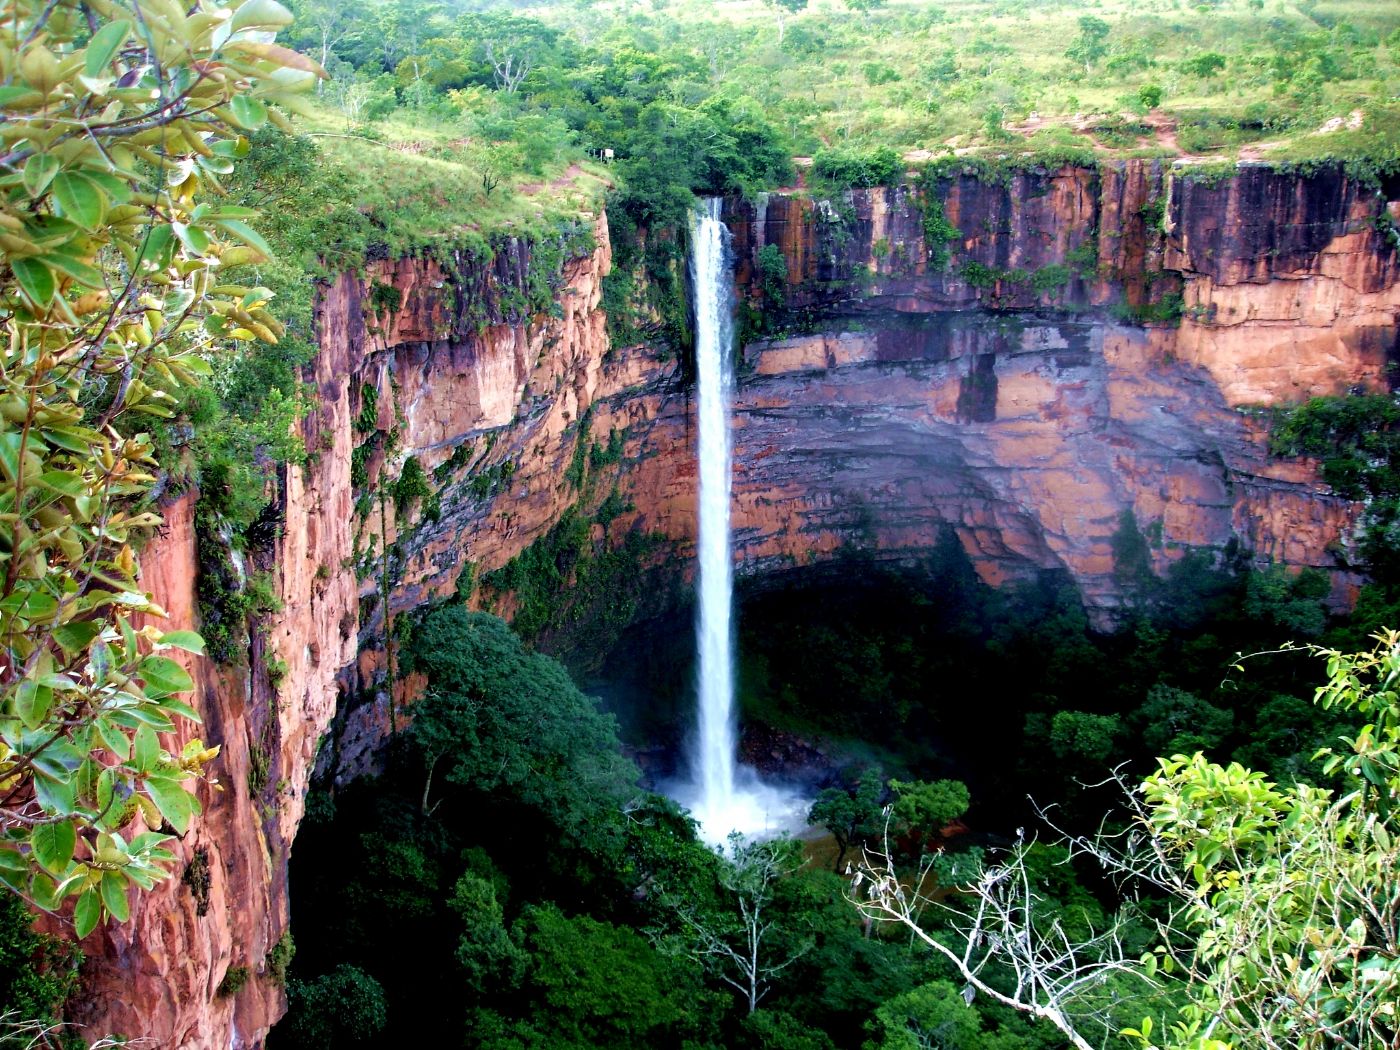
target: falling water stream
<point>722,795</point>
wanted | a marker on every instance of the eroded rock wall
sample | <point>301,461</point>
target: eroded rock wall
<point>451,369</point>
<point>1097,345</point>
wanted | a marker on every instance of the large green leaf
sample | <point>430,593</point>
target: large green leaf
<point>156,247</point>
<point>32,703</point>
<point>117,189</point>
<point>164,675</point>
<point>64,482</point>
<point>103,46</point>
<point>136,717</point>
<point>249,112</point>
<point>73,439</point>
<point>195,240</point>
<point>175,803</point>
<point>260,14</point>
<point>87,276</point>
<point>186,640</point>
<point>36,279</point>
<point>113,738</point>
<point>169,703</point>
<point>59,760</point>
<point>53,846</point>
<point>244,233</point>
<point>146,752</point>
<point>11,442</point>
<point>114,895</point>
<point>39,605</point>
<point>44,892</point>
<point>74,637</point>
<point>56,796</point>
<point>39,171</point>
<point>101,657</point>
<point>80,198</point>
<point>86,913</point>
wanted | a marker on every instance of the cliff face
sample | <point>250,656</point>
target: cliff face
<point>1020,402</point>
<point>1007,394</point>
<point>444,381</point>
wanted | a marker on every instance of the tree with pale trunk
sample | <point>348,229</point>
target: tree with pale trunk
<point>781,8</point>
<point>743,945</point>
<point>1280,925</point>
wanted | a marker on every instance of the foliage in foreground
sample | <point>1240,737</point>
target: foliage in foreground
<point>1291,916</point>
<point>116,115</point>
<point>1283,927</point>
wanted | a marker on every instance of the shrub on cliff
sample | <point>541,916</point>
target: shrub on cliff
<point>856,167</point>
<point>1357,439</point>
<point>117,114</point>
<point>37,971</point>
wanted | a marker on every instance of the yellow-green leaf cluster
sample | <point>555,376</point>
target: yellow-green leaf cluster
<point>1292,909</point>
<point>119,119</point>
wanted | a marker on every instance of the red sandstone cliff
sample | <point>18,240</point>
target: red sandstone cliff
<point>1027,421</point>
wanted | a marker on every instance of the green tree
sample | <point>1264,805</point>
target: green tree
<point>929,804</point>
<point>508,724</point>
<point>776,1030</point>
<point>1092,42</point>
<point>37,971</point>
<point>835,986</point>
<point>847,167</point>
<point>1173,722</point>
<point>785,7</point>
<point>772,276</point>
<point>1205,65</point>
<point>743,942</point>
<point>321,25</point>
<point>851,816</point>
<point>594,984</point>
<point>116,118</point>
<point>932,1015</point>
<point>485,951</point>
<point>340,1009</point>
<point>1083,738</point>
<point>1289,604</point>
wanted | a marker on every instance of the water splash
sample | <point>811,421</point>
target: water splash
<point>723,796</point>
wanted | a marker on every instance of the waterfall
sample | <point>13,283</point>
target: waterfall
<point>722,795</point>
<point>714,334</point>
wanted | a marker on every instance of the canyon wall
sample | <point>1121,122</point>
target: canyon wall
<point>1082,366</point>
<point>1092,357</point>
<point>197,967</point>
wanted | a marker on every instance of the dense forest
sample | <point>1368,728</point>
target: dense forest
<point>1027,828</point>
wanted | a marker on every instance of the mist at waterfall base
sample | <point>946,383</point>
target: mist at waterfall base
<point>723,796</point>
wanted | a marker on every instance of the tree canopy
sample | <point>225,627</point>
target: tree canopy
<point>509,723</point>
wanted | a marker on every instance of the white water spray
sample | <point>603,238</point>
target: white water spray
<point>723,796</point>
